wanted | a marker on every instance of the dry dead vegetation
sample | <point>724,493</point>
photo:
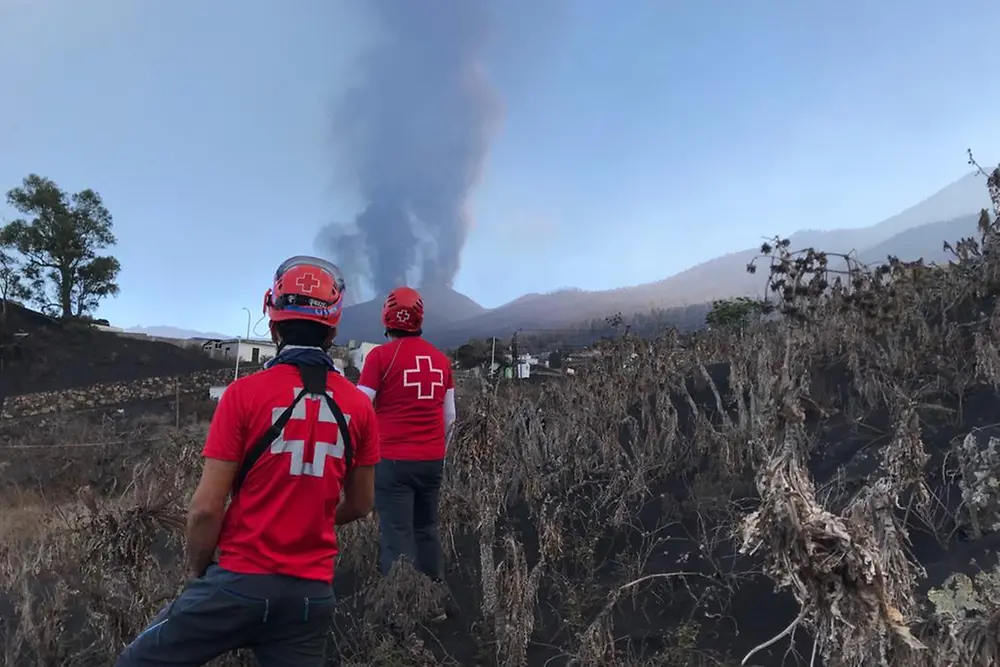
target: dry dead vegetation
<point>829,496</point>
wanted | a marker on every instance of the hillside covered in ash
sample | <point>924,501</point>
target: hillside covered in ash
<point>820,488</point>
<point>40,353</point>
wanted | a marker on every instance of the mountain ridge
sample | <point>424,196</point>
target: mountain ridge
<point>167,331</point>
<point>948,210</point>
<point>453,318</point>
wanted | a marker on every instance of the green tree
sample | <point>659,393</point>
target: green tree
<point>735,313</point>
<point>11,281</point>
<point>474,353</point>
<point>60,238</point>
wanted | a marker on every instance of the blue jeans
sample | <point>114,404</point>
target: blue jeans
<point>285,621</point>
<point>406,499</point>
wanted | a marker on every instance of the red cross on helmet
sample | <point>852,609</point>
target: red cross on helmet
<point>306,288</point>
<point>403,310</point>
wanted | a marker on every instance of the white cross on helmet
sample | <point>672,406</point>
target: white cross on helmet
<point>403,316</point>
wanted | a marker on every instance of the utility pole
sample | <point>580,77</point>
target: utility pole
<point>493,356</point>
<point>514,359</point>
<point>239,346</point>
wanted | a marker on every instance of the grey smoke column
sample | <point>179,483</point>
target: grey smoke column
<point>415,131</point>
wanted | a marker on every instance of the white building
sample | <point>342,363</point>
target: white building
<point>522,369</point>
<point>360,353</point>
<point>529,359</point>
<point>248,350</point>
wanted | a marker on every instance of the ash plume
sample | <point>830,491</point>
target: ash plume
<point>414,133</point>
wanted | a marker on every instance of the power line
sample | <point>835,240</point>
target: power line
<point>71,445</point>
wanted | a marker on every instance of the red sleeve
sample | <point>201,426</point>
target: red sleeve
<point>371,374</point>
<point>368,452</point>
<point>449,380</point>
<point>226,439</point>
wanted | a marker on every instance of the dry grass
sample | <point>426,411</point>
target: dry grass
<point>29,516</point>
<point>641,513</point>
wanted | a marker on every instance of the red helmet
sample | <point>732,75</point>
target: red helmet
<point>306,288</point>
<point>403,310</point>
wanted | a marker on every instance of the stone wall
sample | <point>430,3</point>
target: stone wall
<point>119,393</point>
<point>116,393</point>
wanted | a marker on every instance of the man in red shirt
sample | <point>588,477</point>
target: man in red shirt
<point>293,448</point>
<point>411,384</point>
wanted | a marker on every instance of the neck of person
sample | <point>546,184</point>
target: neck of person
<point>391,336</point>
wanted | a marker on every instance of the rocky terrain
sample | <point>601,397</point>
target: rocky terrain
<point>816,488</point>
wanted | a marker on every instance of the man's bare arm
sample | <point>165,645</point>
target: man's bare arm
<point>208,507</point>
<point>359,495</point>
<point>450,415</point>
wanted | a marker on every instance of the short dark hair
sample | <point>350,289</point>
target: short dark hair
<point>304,332</point>
<point>399,333</point>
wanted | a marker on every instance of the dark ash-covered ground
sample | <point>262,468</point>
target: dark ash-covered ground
<point>39,353</point>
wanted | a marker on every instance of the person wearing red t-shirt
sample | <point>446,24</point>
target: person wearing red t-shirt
<point>411,384</point>
<point>293,448</point>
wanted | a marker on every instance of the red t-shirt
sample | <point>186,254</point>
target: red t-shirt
<point>282,519</point>
<point>410,378</point>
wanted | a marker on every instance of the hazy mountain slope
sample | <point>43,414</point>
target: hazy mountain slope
<point>916,232</point>
<point>726,276</point>
<point>965,196</point>
<point>571,308</point>
<point>925,242</point>
<point>174,332</point>
<point>363,321</point>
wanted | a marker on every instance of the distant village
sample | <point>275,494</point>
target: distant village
<point>350,358</point>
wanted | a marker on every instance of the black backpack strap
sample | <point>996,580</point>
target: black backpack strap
<point>260,446</point>
<point>314,382</point>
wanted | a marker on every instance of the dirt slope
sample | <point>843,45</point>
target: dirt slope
<point>41,354</point>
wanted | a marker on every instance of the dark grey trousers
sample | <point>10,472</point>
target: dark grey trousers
<point>406,498</point>
<point>285,622</point>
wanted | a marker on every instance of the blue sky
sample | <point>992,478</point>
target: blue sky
<point>639,137</point>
